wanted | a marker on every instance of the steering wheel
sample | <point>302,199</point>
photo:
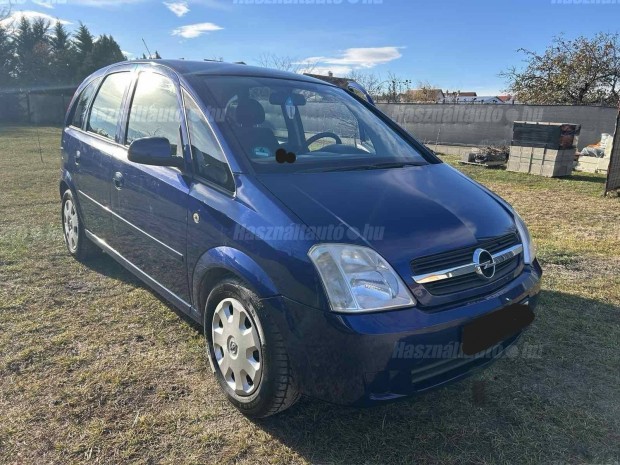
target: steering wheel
<point>321,135</point>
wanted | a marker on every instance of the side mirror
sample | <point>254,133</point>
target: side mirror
<point>154,151</point>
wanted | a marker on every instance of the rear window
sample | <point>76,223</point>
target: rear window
<point>106,109</point>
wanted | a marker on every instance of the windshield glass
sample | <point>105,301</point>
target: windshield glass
<point>290,126</point>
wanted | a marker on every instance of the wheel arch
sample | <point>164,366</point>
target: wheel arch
<point>66,182</point>
<point>220,263</point>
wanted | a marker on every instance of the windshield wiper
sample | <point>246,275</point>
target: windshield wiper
<point>376,166</point>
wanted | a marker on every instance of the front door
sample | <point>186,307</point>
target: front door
<point>149,203</point>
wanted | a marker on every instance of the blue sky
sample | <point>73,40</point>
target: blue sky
<point>452,44</point>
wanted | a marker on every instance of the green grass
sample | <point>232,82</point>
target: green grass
<point>96,368</point>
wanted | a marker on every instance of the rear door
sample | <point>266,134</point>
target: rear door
<point>150,202</point>
<point>91,146</point>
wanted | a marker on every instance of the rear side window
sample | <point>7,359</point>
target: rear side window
<point>155,111</point>
<point>81,105</point>
<point>106,109</point>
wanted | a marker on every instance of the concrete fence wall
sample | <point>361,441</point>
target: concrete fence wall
<point>475,125</point>
<point>434,124</point>
<point>34,108</point>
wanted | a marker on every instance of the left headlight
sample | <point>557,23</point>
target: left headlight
<point>358,279</point>
<point>529,249</point>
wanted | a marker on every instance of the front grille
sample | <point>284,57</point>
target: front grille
<point>464,256</point>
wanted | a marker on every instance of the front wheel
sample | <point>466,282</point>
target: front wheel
<point>247,352</point>
<point>78,245</point>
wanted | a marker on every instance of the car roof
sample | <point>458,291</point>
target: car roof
<point>188,67</point>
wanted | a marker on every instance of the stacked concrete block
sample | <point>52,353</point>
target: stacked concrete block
<point>545,149</point>
<point>593,164</point>
<point>541,161</point>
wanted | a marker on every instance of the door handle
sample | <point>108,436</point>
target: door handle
<point>118,180</point>
<point>78,155</point>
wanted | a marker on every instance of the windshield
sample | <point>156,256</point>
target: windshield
<point>292,126</point>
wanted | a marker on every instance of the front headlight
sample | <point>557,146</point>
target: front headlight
<point>358,279</point>
<point>529,250</point>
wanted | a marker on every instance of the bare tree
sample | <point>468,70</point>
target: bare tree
<point>285,63</point>
<point>580,71</point>
<point>398,89</point>
<point>373,83</point>
<point>5,9</point>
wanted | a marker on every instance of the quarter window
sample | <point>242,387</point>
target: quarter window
<point>209,160</point>
<point>81,105</point>
<point>106,109</point>
<point>155,111</point>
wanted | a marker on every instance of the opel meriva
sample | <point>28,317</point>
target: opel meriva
<point>323,249</point>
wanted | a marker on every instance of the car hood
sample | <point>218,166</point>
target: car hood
<point>403,213</point>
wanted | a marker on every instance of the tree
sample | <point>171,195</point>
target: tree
<point>32,51</point>
<point>84,42</point>
<point>105,52</point>
<point>7,58</point>
<point>63,56</point>
<point>579,72</point>
<point>5,10</point>
<point>285,63</point>
<point>397,90</point>
<point>34,57</point>
<point>373,83</point>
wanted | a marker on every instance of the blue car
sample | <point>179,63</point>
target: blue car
<point>324,251</point>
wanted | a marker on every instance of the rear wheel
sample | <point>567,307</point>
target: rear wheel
<point>73,230</point>
<point>247,352</point>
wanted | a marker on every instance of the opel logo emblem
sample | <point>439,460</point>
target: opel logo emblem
<point>484,263</point>
<point>233,347</point>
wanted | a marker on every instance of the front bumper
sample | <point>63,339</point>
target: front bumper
<point>365,358</point>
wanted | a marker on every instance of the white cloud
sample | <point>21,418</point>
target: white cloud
<point>17,16</point>
<point>44,3</point>
<point>352,58</point>
<point>178,8</point>
<point>192,31</point>
<point>103,3</point>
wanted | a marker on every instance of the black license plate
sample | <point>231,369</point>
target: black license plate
<point>488,330</point>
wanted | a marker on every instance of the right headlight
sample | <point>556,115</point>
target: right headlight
<point>358,279</point>
<point>529,249</point>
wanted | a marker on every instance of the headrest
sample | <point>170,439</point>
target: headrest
<point>249,113</point>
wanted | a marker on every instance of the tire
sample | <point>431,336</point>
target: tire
<point>78,245</point>
<point>247,352</point>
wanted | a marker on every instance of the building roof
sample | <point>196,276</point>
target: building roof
<point>461,94</point>
<point>429,91</point>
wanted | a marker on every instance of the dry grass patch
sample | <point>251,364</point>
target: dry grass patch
<point>95,368</point>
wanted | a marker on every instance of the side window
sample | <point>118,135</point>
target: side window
<point>81,105</point>
<point>209,161</point>
<point>106,108</point>
<point>155,111</point>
